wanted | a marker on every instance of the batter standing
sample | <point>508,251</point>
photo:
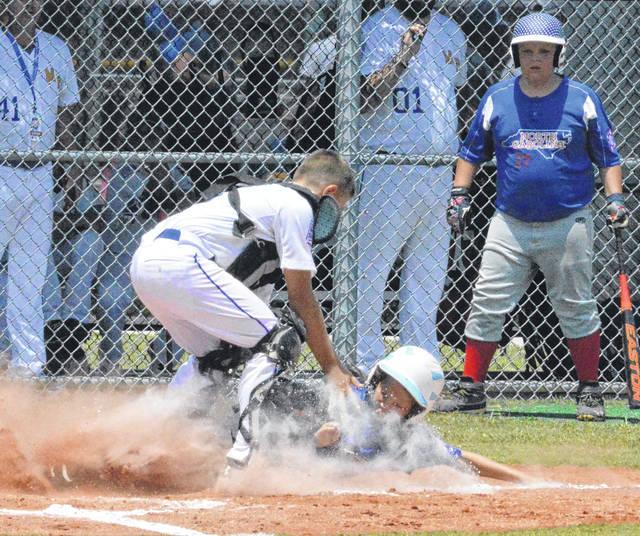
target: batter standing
<point>37,78</point>
<point>413,58</point>
<point>207,274</point>
<point>546,131</point>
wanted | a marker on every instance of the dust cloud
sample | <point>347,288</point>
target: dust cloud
<point>136,440</point>
<point>150,441</point>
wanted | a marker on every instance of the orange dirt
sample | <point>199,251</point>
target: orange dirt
<point>587,496</point>
<point>139,466</point>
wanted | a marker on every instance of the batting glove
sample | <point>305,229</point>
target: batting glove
<point>459,209</point>
<point>618,215</point>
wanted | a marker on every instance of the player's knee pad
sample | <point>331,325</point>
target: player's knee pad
<point>228,356</point>
<point>283,343</point>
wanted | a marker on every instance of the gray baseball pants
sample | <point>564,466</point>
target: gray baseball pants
<point>514,250</point>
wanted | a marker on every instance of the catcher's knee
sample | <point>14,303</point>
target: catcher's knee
<point>283,343</point>
<point>227,357</point>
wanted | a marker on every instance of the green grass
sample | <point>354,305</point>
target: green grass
<point>532,440</point>
<point>136,347</point>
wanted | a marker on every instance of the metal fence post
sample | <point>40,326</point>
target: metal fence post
<point>345,276</point>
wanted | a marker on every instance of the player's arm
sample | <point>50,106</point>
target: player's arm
<point>464,173</point>
<point>611,178</point>
<point>492,469</point>
<point>377,86</point>
<point>304,303</point>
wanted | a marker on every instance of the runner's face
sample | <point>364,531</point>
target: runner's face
<point>393,398</point>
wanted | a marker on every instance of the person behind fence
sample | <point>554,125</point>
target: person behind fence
<point>313,126</point>
<point>75,252</point>
<point>381,428</point>
<point>191,97</point>
<point>207,273</point>
<point>312,120</point>
<point>413,59</point>
<point>134,202</point>
<point>546,132</point>
<point>38,85</point>
<point>261,66</point>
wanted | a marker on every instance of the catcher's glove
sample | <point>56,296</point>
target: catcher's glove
<point>459,209</point>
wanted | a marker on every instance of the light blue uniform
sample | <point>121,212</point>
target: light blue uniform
<point>34,86</point>
<point>401,208</point>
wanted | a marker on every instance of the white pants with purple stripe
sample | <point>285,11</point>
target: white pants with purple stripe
<point>200,304</point>
<point>197,301</point>
<point>514,250</point>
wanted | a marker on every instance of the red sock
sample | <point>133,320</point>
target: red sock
<point>477,359</point>
<point>585,354</point>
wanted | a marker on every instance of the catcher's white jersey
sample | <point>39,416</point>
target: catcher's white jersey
<point>280,214</point>
<point>420,114</point>
<point>55,86</point>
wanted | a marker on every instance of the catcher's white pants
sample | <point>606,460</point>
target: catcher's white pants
<point>402,209</point>
<point>200,304</point>
<point>197,301</point>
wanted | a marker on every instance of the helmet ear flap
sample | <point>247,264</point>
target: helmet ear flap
<point>375,377</point>
<point>557,55</point>
<point>515,55</point>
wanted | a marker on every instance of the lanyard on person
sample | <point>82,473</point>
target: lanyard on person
<point>35,132</point>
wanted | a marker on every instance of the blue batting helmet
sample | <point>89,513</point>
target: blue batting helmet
<point>538,27</point>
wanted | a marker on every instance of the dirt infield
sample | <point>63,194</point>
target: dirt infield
<point>136,464</point>
<point>578,497</point>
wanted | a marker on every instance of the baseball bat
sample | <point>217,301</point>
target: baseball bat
<point>629,335</point>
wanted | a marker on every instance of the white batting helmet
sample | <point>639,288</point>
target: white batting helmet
<point>538,27</point>
<point>416,370</point>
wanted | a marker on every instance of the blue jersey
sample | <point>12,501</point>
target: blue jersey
<point>389,441</point>
<point>545,147</point>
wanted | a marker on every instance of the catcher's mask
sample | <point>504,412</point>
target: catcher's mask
<point>326,213</point>
<point>540,27</point>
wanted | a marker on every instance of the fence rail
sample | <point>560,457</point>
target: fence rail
<point>177,96</point>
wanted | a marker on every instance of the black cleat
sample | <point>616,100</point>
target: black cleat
<point>468,396</point>
<point>590,402</point>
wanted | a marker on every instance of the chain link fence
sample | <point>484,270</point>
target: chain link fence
<point>179,99</point>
